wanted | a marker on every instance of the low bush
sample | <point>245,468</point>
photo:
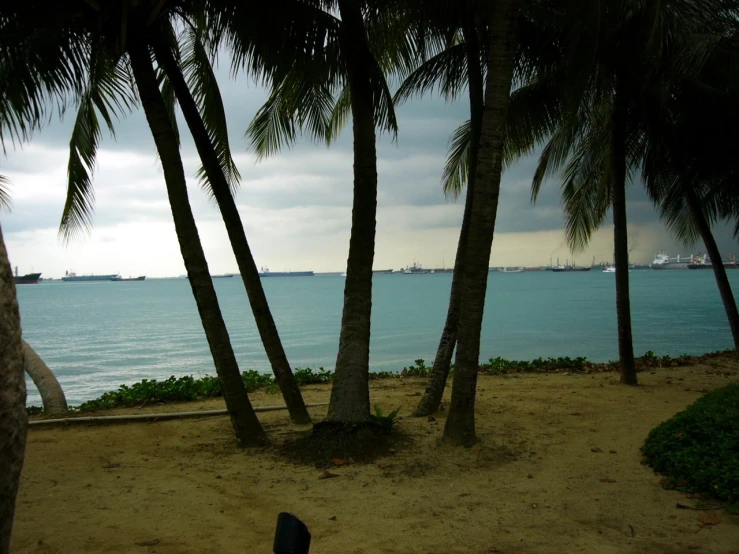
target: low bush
<point>698,448</point>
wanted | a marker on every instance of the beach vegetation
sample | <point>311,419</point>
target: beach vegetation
<point>697,450</point>
<point>189,388</point>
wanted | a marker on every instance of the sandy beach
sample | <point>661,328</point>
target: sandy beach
<point>557,469</point>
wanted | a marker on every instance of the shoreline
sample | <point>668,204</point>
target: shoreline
<point>189,389</point>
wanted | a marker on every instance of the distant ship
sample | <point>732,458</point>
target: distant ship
<point>71,276</point>
<point>119,278</point>
<point>561,268</point>
<point>511,270</point>
<point>663,261</point>
<point>382,271</point>
<point>27,279</point>
<point>415,269</point>
<point>704,262</point>
<point>265,272</point>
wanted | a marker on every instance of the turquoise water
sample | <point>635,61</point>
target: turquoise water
<point>95,336</point>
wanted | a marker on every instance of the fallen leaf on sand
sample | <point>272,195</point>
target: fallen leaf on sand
<point>339,461</point>
<point>596,449</point>
<point>327,475</point>
<point>415,394</point>
<point>152,542</point>
<point>382,466</point>
<point>530,476</point>
<point>709,518</point>
<point>431,418</point>
<point>607,480</point>
<point>576,413</point>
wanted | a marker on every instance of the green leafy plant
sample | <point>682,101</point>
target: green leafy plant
<point>698,448</point>
<point>385,421</point>
<point>417,369</point>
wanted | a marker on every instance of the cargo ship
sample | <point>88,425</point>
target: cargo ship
<point>119,278</point>
<point>561,268</point>
<point>265,272</point>
<point>704,262</point>
<point>72,277</point>
<point>663,261</point>
<point>27,279</point>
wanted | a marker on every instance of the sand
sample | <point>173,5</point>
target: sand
<point>557,470</point>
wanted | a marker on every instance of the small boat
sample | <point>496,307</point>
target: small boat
<point>610,269</point>
<point>511,270</point>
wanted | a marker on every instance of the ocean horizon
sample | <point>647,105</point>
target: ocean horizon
<point>96,336</point>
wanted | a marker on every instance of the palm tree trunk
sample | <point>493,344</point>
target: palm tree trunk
<point>235,229</point>
<point>246,426</point>
<point>350,392</point>
<point>13,415</point>
<point>460,424</point>
<point>722,280</point>
<point>621,239</point>
<point>431,400</point>
<point>52,395</point>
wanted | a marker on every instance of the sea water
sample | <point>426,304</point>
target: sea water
<point>96,336</point>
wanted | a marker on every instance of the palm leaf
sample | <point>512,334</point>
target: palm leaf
<point>5,201</point>
<point>198,71</point>
<point>456,169</point>
<point>108,94</point>
<point>445,71</point>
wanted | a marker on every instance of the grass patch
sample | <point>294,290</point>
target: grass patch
<point>698,448</point>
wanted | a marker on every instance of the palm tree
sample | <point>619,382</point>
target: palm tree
<point>219,186</point>
<point>315,88</point>
<point>105,34</point>
<point>13,415</point>
<point>448,68</point>
<point>460,424</point>
<point>690,164</point>
<point>596,121</point>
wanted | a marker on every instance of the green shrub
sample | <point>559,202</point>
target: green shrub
<point>384,421</point>
<point>698,448</point>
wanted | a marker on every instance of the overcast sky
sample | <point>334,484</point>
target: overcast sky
<point>296,206</point>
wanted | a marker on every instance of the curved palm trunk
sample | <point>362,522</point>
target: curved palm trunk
<point>722,280</point>
<point>621,239</point>
<point>246,426</point>
<point>431,399</point>
<point>460,424</point>
<point>235,229</point>
<point>350,391</point>
<point>13,415</point>
<point>52,395</point>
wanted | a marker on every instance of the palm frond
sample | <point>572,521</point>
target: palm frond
<point>586,186</point>
<point>108,94</point>
<point>5,201</point>
<point>198,71</point>
<point>456,169</point>
<point>42,65</point>
<point>340,114</point>
<point>446,71</point>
